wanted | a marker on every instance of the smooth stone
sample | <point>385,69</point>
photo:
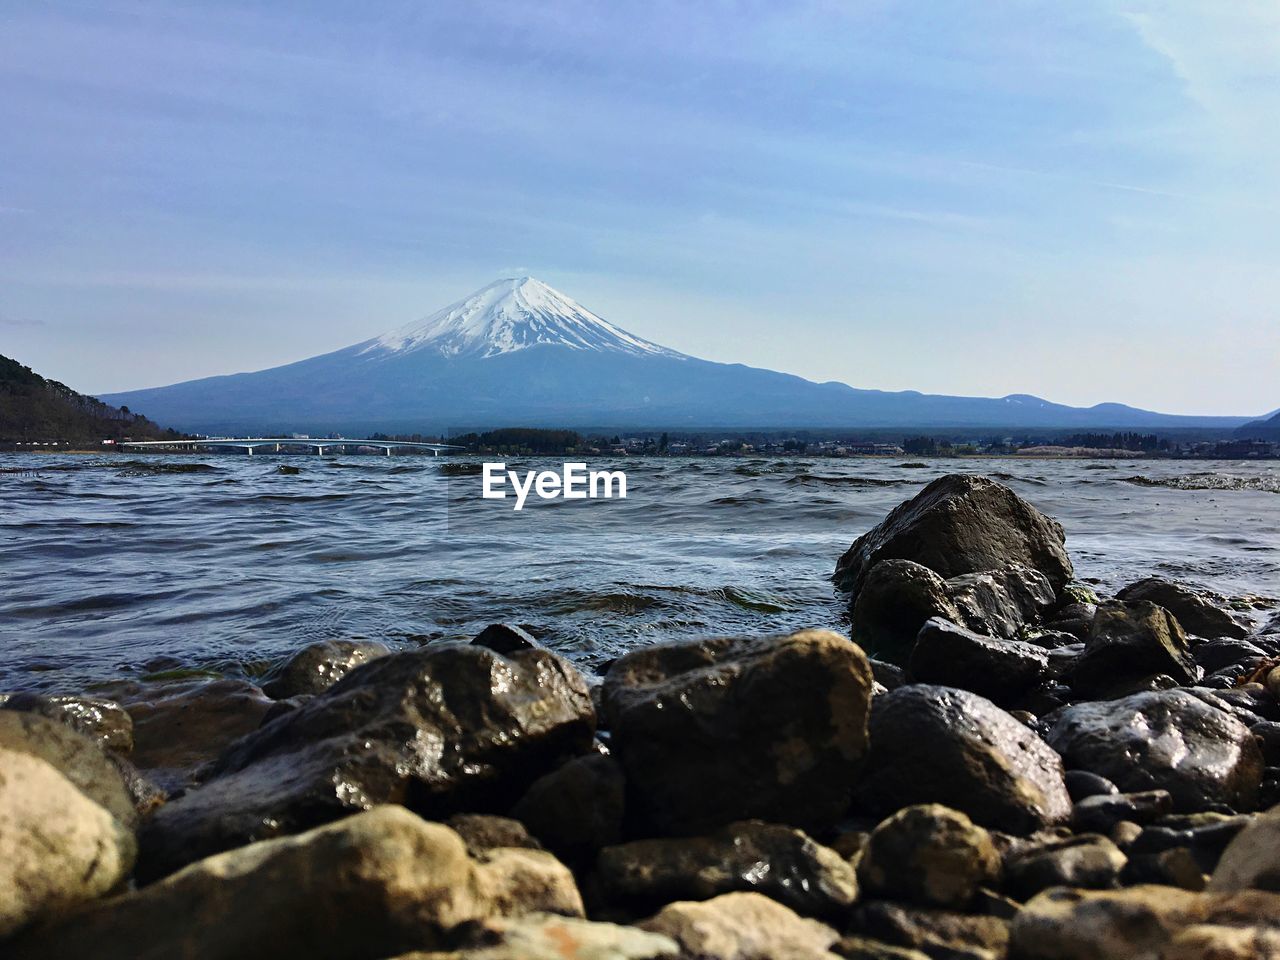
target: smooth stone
<point>58,848</point>
<point>780,862</point>
<point>960,524</point>
<point>1131,641</point>
<point>940,745</point>
<point>932,930</point>
<point>1267,733</point>
<point>370,886</point>
<point>742,926</point>
<point>865,948</point>
<point>710,732</point>
<point>103,721</point>
<point>1252,859</point>
<point>1169,740</point>
<point>1082,783</point>
<point>482,832</point>
<point>1102,812</point>
<point>505,638</point>
<point>316,668</point>
<point>928,854</point>
<point>1196,614</point>
<point>1216,655</point>
<point>578,808</point>
<point>951,656</point>
<point>543,936</point>
<point>1087,860</point>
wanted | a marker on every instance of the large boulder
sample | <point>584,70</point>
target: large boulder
<point>1195,613</point>
<point>1144,923</point>
<point>74,755</point>
<point>742,926</point>
<point>57,847</point>
<point>780,862</point>
<point>1128,641</point>
<point>447,728</point>
<point>940,745</point>
<point>928,854</point>
<point>1167,740</point>
<point>714,731</point>
<point>316,668</point>
<point>368,887</point>
<point>960,524</point>
<point>1001,670</point>
<point>102,720</point>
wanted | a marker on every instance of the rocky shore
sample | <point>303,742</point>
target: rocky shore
<point>998,764</point>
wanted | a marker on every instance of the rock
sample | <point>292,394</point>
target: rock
<point>928,854</point>
<point>1205,836</point>
<point>316,668</point>
<point>542,936</point>
<point>1082,784</point>
<point>505,638</point>
<point>1140,923</point>
<point>1168,740</point>
<point>1267,733</point>
<point>939,745</point>
<point>1212,941</point>
<point>935,932</point>
<point>1252,859</point>
<point>576,809</point>
<point>1102,812</point>
<point>179,727</point>
<point>371,886</point>
<point>783,863</point>
<point>75,756</point>
<point>865,948</point>
<point>482,832</point>
<point>960,524</point>
<point>742,926</point>
<point>443,729</point>
<point>100,720</point>
<point>714,731</point>
<point>57,847</point>
<point>1129,641</point>
<point>1075,619</point>
<point>1196,614</point>
<point>1001,602</point>
<point>952,656</point>
<point>1176,867</point>
<point>1088,860</point>
<point>1214,655</point>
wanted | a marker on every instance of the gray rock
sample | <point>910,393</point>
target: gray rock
<point>960,524</point>
<point>928,854</point>
<point>1196,614</point>
<point>482,832</point>
<point>577,809</point>
<point>949,655</point>
<point>896,598</point>
<point>940,745</point>
<point>780,862</point>
<point>1129,641</point>
<point>1001,602</point>
<point>316,668</point>
<point>1082,783</point>
<point>714,731</point>
<point>1168,740</point>
<point>58,848</point>
<point>1215,655</point>
<point>505,638</point>
<point>444,729</point>
<point>1102,812</point>
<point>1088,860</point>
<point>1252,859</point>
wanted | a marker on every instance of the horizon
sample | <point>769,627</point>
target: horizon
<point>1078,203</point>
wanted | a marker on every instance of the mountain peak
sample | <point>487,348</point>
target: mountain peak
<point>511,314</point>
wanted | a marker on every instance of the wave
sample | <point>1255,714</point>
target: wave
<point>1208,481</point>
<point>847,481</point>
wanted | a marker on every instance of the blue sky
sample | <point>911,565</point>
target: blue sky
<point>1079,200</point>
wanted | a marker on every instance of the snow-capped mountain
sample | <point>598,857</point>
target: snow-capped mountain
<point>517,352</point>
<point>508,315</point>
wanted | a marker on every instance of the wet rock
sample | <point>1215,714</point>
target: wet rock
<point>100,720</point>
<point>1169,740</point>
<point>1212,941</point>
<point>1089,860</point>
<point>865,948</point>
<point>1176,867</point>
<point>1195,613</point>
<point>933,931</point>
<point>1129,641</point>
<point>940,745</point>
<point>949,655</point>
<point>1140,922</point>
<point>316,668</point>
<point>367,887</point>
<point>1102,812</point>
<point>578,808</point>
<point>444,729</point>
<point>742,926</point>
<point>1000,602</point>
<point>785,864</point>
<point>1082,783</point>
<point>1252,859</point>
<point>1204,836</point>
<point>542,936</point>
<point>928,854</point>
<point>57,847</point>
<point>482,832</point>
<point>505,638</point>
<point>179,727</point>
<point>960,524</point>
<point>714,731</point>
<point>1075,619</point>
<point>75,756</point>
<point>1216,655</point>
<point>1267,733</point>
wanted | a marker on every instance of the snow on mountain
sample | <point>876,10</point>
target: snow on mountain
<point>508,315</point>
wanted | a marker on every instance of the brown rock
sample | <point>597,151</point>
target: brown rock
<point>928,854</point>
<point>742,926</point>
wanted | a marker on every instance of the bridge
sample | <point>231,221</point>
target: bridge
<point>319,444</point>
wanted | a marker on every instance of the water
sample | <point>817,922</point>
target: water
<point>119,566</point>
